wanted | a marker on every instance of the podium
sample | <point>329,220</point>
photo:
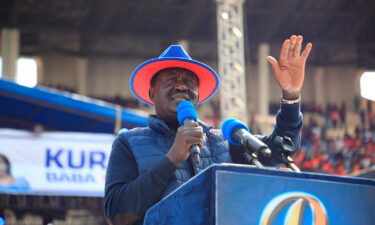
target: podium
<point>234,194</point>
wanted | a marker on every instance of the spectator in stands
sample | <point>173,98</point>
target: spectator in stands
<point>146,164</point>
<point>343,114</point>
<point>334,115</point>
<point>356,102</point>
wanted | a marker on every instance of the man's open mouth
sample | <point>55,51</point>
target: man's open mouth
<point>181,97</point>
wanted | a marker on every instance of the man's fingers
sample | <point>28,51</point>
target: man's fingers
<point>297,48</point>
<point>189,128</point>
<point>284,50</point>
<point>192,125</point>
<point>293,40</point>
<point>306,52</point>
<point>195,141</point>
<point>195,133</point>
<point>191,131</point>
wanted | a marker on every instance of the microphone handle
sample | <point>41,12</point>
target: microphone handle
<point>195,150</point>
<point>195,153</point>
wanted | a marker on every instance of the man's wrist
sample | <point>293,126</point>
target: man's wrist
<point>289,102</point>
<point>173,159</point>
<point>290,95</point>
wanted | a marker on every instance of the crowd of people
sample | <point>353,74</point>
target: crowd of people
<point>345,154</point>
<point>335,155</point>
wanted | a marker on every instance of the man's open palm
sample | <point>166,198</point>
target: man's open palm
<point>289,70</point>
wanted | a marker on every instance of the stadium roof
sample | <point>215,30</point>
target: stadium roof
<point>341,30</point>
<point>24,108</point>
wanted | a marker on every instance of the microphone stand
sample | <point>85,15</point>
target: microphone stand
<point>284,146</point>
<point>253,159</point>
<point>252,149</point>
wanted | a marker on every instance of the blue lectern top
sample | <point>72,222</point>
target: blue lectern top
<point>236,194</point>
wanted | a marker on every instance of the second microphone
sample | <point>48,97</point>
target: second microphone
<point>238,133</point>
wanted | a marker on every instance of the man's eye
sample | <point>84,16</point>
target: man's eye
<point>190,82</point>
<point>170,81</point>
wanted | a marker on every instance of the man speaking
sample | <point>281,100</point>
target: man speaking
<point>146,164</point>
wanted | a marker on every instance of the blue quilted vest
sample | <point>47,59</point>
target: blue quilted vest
<point>151,144</point>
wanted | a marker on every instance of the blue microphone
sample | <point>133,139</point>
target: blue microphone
<point>187,114</point>
<point>238,133</point>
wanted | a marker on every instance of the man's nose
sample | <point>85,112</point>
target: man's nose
<point>180,85</point>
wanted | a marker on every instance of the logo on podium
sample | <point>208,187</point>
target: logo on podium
<point>292,207</point>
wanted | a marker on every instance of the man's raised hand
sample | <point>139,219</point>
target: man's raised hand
<point>289,70</point>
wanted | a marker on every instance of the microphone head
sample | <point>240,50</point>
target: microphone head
<point>186,110</point>
<point>229,126</point>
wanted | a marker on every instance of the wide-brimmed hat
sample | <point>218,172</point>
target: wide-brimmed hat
<point>174,56</point>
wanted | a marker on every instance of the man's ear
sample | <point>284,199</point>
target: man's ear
<point>151,93</point>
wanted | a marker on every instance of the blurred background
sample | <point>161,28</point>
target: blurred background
<point>65,69</point>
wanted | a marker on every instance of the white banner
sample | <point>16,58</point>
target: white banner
<point>53,163</point>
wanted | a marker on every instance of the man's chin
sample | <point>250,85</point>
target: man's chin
<point>173,104</point>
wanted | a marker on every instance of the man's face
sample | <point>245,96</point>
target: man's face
<point>173,86</point>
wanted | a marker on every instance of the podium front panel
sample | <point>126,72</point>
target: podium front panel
<point>228,194</point>
<point>250,198</point>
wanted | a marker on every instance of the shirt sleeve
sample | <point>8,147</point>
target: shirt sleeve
<point>126,191</point>
<point>288,124</point>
